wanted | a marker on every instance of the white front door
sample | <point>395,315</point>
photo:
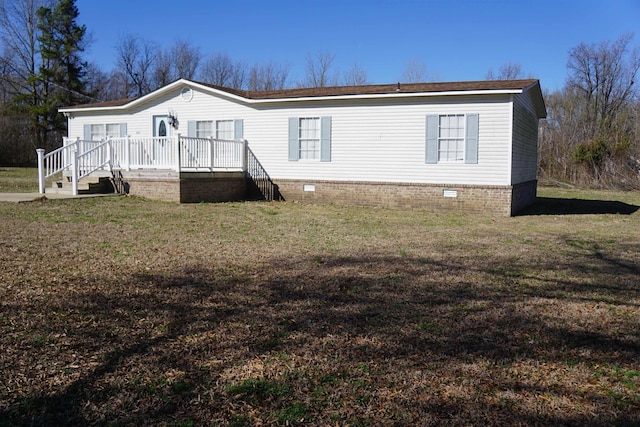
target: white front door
<point>161,126</point>
<point>161,150</point>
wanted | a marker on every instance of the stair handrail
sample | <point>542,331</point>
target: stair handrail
<point>68,157</point>
<point>82,165</point>
<point>54,162</point>
<point>103,154</point>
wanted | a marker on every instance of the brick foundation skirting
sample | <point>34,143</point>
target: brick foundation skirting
<point>496,200</point>
<point>226,187</point>
<point>524,195</point>
<point>184,188</point>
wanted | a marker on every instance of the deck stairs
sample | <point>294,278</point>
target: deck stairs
<point>86,185</point>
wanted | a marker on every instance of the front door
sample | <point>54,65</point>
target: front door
<point>161,150</point>
<point>160,126</point>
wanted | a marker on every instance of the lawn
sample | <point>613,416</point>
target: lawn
<point>21,180</point>
<point>123,311</point>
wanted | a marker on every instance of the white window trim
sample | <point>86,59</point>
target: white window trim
<point>461,140</point>
<point>198,129</point>
<point>318,140</point>
<point>103,134</point>
<point>217,129</point>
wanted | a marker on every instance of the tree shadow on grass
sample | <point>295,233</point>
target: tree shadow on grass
<point>561,206</point>
<point>165,345</point>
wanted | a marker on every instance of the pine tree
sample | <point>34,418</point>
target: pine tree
<point>62,71</point>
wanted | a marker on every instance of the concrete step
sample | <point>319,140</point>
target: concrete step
<point>87,185</point>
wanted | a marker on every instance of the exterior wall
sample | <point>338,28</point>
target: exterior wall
<point>373,140</point>
<point>206,187</point>
<point>194,187</point>
<point>384,140</point>
<point>494,200</point>
<point>525,140</point>
<point>377,150</point>
<point>524,194</point>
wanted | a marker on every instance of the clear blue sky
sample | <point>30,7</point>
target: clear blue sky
<point>456,40</point>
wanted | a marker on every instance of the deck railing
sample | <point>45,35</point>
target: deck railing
<point>177,153</point>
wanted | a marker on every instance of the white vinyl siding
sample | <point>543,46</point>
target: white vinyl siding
<point>525,141</point>
<point>372,140</point>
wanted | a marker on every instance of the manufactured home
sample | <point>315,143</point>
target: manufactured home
<point>468,146</point>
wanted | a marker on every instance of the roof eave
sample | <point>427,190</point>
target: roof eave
<point>538,99</point>
<point>246,100</point>
<point>154,94</point>
<point>386,95</point>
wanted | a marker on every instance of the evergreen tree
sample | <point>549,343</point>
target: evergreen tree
<point>62,71</point>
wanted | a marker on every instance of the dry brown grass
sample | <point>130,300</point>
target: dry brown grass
<point>121,311</point>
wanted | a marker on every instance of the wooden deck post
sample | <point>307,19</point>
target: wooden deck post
<point>40,152</point>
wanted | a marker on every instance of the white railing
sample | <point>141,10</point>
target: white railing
<point>96,158</point>
<point>178,153</point>
<point>54,162</point>
<point>144,153</point>
<point>229,154</point>
<point>209,153</point>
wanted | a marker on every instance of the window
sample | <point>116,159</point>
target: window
<point>309,138</point>
<point>451,138</point>
<point>224,129</point>
<point>102,131</point>
<point>220,129</point>
<point>204,129</point>
<point>112,130</point>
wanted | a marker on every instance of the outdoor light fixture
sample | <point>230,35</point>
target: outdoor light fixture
<point>173,119</point>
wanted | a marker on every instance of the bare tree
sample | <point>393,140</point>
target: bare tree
<point>116,87</point>
<point>163,70</point>
<point>186,59</point>
<point>507,71</point>
<point>268,76</point>
<point>356,76</point>
<point>318,70</point>
<point>415,72</point>
<point>135,58</point>
<point>21,62</point>
<point>239,76</point>
<point>180,60</point>
<point>97,82</point>
<point>19,35</point>
<point>605,74</point>
<point>590,136</point>
<point>221,70</point>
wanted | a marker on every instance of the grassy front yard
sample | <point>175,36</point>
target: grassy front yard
<point>122,311</point>
<point>21,180</point>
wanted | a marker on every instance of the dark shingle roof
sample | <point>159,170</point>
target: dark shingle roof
<point>114,103</point>
<point>395,88</point>
<point>380,89</point>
